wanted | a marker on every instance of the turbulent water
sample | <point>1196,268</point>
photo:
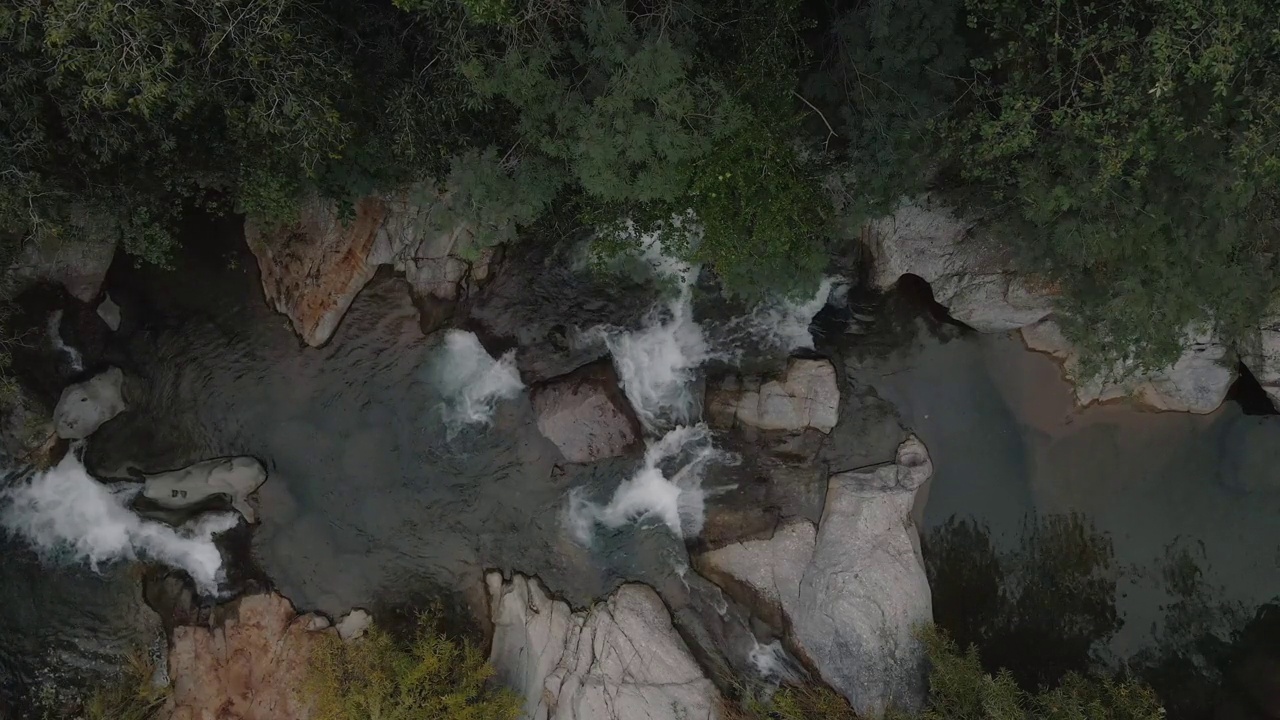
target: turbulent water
<point>67,516</point>
<point>471,381</point>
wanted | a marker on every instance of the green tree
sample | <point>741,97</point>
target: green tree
<point>1129,150</point>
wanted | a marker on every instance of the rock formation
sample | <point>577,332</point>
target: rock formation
<point>250,663</point>
<point>84,407</point>
<point>586,415</point>
<point>234,477</point>
<point>805,396</point>
<point>970,278</point>
<point>78,265</point>
<point>620,660</point>
<point>313,269</point>
<point>1197,382</point>
<point>1261,354</point>
<point>852,591</point>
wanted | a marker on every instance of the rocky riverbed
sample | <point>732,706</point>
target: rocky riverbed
<point>642,495</point>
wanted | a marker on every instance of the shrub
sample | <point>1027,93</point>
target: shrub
<point>381,678</point>
<point>960,689</point>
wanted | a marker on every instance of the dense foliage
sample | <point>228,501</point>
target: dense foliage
<point>381,678</point>
<point>961,689</point>
<point>1124,150</point>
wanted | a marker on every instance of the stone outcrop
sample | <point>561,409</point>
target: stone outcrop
<point>313,269</point>
<point>78,265</point>
<point>1197,382</point>
<point>620,660</point>
<point>233,477</point>
<point>1261,354</point>
<point>250,663</point>
<point>852,591</point>
<point>586,415</point>
<point>807,395</point>
<point>970,278</point>
<point>84,407</point>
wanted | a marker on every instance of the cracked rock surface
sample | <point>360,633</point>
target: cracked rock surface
<point>619,660</point>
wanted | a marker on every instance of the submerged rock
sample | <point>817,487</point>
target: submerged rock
<point>250,663</point>
<point>84,407</point>
<point>620,660</point>
<point>1197,382</point>
<point>805,396</point>
<point>586,415</point>
<point>234,477</point>
<point>313,269</point>
<point>970,278</point>
<point>852,591</point>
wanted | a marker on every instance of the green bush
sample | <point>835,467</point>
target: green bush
<point>128,695</point>
<point>1129,149</point>
<point>381,678</point>
<point>960,689</point>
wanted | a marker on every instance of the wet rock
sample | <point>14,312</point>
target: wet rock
<point>586,415</point>
<point>755,497</point>
<point>805,396</point>
<point>84,407</point>
<point>249,663</point>
<point>968,276</point>
<point>27,429</point>
<point>620,660</point>
<point>853,590</point>
<point>234,477</point>
<point>1197,382</point>
<point>312,270</point>
<point>546,305</point>
<point>109,311</point>
<point>78,265</point>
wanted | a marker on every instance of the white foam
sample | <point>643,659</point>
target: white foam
<point>667,487</point>
<point>657,364</point>
<point>55,337</point>
<point>64,513</point>
<point>770,661</point>
<point>472,381</point>
<point>783,324</point>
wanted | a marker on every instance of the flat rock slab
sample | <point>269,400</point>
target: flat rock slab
<point>234,477</point>
<point>806,395</point>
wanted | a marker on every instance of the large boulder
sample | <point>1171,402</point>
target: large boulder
<point>620,660</point>
<point>586,415</point>
<point>1196,382</point>
<point>1261,354</point>
<point>250,663</point>
<point>852,590</point>
<point>84,407</point>
<point>313,269</point>
<point>970,277</point>
<point>806,395</point>
<point>232,477</point>
<point>78,265</point>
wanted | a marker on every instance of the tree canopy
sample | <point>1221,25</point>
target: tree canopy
<point>1125,150</point>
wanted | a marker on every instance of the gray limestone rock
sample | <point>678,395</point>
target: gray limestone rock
<point>853,590</point>
<point>234,477</point>
<point>806,395</point>
<point>84,407</point>
<point>619,660</point>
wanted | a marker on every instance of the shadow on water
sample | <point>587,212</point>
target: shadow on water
<point>1048,608</point>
